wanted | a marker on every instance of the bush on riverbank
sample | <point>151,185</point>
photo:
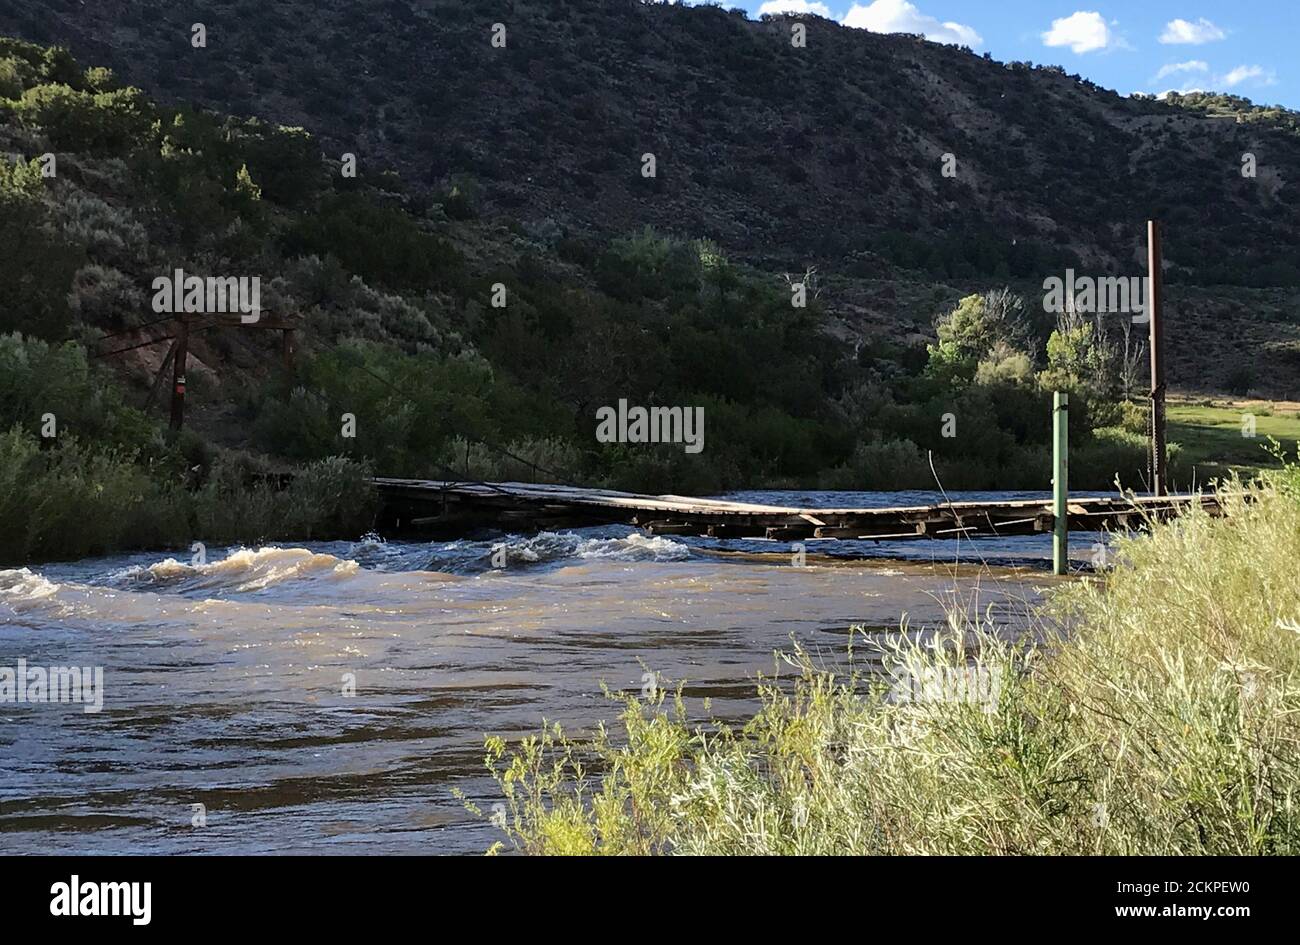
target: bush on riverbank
<point>83,473</point>
<point>70,500</point>
<point>73,500</point>
<point>1167,722</point>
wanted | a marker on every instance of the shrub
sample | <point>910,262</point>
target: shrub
<point>1005,366</point>
<point>1240,379</point>
<point>73,500</point>
<point>406,407</point>
<point>458,204</point>
<point>1114,452</point>
<point>111,235</point>
<point>236,502</point>
<point>884,464</point>
<point>30,64</point>
<point>14,76</point>
<point>19,464</point>
<point>1135,417</point>
<point>533,459</point>
<point>327,499</point>
<point>649,265</point>
<point>103,296</point>
<point>284,161</point>
<point>37,378</point>
<point>381,244</point>
<point>86,121</point>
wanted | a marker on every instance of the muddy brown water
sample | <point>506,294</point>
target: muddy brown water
<point>223,682</point>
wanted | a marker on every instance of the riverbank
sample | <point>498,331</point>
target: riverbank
<point>1157,713</point>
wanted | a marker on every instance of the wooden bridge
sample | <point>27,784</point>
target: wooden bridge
<point>458,507</point>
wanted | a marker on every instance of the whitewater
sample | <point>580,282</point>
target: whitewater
<point>334,697</point>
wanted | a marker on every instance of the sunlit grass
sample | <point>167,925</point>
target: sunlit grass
<point>1212,436</point>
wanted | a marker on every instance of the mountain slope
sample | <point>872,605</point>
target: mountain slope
<point>830,153</point>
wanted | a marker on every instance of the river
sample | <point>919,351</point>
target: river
<point>223,682</point>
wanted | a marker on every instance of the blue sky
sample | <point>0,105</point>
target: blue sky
<point>1247,48</point>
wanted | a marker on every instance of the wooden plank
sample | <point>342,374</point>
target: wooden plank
<point>867,534</point>
<point>671,528</point>
<point>789,532</point>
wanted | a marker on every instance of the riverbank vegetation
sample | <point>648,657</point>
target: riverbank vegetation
<point>459,346</point>
<point>120,481</point>
<point>1158,713</point>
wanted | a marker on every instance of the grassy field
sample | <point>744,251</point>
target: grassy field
<point>1165,721</point>
<point>1211,434</point>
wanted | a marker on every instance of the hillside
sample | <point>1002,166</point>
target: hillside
<point>828,154</point>
<point>674,294</point>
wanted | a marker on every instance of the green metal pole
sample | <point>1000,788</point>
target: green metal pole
<point>1061,483</point>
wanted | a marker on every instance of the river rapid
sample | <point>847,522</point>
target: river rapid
<point>224,683</point>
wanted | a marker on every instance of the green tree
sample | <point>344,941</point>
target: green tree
<point>971,331</point>
<point>1069,357</point>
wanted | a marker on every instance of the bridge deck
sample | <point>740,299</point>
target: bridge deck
<point>458,506</point>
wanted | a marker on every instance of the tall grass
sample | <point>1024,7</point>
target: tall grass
<point>1157,712</point>
<point>76,500</point>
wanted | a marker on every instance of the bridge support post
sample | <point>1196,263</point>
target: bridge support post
<point>1061,483</point>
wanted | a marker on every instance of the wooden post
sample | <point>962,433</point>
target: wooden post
<point>178,372</point>
<point>1061,483</point>
<point>158,378</point>
<point>1155,314</point>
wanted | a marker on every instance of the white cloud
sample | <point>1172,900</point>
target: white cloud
<point>899,16</point>
<point>1245,73</point>
<point>794,6</point>
<point>1181,32</point>
<point>1083,32</point>
<point>1256,76</point>
<point>1173,68</point>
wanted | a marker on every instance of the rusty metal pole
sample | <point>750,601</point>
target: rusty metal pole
<point>1155,314</point>
<point>178,372</point>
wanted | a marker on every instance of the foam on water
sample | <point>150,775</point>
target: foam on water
<point>554,548</point>
<point>242,571</point>
<point>22,587</point>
